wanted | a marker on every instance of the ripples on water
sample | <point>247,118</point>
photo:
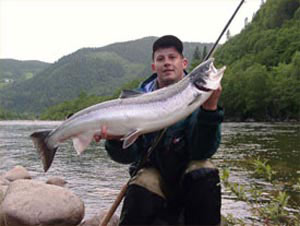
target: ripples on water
<point>277,143</point>
<point>97,179</point>
<point>92,175</point>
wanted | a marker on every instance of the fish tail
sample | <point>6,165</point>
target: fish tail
<point>45,151</point>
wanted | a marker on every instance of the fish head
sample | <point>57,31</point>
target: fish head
<point>206,76</point>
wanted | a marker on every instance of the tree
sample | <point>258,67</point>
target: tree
<point>228,35</point>
<point>204,52</point>
<point>246,21</point>
<point>196,58</point>
<point>197,55</point>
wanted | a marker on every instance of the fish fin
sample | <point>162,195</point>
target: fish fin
<point>130,138</point>
<point>45,152</point>
<point>196,98</point>
<point>81,142</point>
<point>129,93</point>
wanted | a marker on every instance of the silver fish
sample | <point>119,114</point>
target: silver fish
<point>132,115</point>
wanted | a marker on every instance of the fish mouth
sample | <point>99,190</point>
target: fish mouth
<point>201,87</point>
<point>211,78</point>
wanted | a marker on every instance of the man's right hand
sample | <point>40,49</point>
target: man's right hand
<point>104,135</point>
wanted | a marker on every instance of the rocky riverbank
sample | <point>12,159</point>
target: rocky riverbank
<point>25,201</point>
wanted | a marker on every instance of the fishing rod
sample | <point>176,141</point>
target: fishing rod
<point>122,193</point>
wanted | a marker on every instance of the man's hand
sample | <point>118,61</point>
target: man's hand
<point>211,104</point>
<point>104,135</point>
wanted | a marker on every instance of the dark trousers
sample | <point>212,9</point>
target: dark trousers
<point>199,202</point>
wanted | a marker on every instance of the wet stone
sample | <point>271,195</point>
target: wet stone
<point>34,203</point>
<point>56,181</point>
<point>18,172</point>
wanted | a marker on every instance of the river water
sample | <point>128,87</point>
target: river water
<point>97,180</point>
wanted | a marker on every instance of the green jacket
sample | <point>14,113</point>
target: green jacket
<point>195,138</point>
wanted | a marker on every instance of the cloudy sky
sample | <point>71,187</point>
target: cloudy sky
<point>49,29</point>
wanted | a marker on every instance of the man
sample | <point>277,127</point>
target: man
<point>176,184</point>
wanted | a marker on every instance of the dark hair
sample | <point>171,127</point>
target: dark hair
<point>167,41</point>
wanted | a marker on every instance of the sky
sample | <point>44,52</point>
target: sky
<point>47,30</point>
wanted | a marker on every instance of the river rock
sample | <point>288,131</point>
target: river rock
<point>34,203</point>
<point>18,172</point>
<point>56,181</point>
<point>96,220</point>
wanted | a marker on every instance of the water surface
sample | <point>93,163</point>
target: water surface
<point>97,179</point>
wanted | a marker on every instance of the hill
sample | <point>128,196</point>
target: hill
<point>15,70</point>
<point>262,80</point>
<point>94,71</point>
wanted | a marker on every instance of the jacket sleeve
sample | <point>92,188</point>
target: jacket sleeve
<point>120,155</point>
<point>205,133</point>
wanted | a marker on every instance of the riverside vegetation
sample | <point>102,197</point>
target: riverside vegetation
<point>268,208</point>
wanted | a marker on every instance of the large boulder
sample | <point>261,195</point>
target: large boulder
<point>34,203</point>
<point>18,172</point>
<point>96,220</point>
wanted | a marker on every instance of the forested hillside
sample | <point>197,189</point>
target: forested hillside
<point>94,71</point>
<point>16,70</point>
<point>67,108</point>
<point>262,80</point>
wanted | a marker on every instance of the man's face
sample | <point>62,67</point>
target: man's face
<point>169,66</point>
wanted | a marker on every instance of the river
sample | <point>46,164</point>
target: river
<point>97,179</point>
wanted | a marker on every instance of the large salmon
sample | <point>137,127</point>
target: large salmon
<point>132,115</point>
